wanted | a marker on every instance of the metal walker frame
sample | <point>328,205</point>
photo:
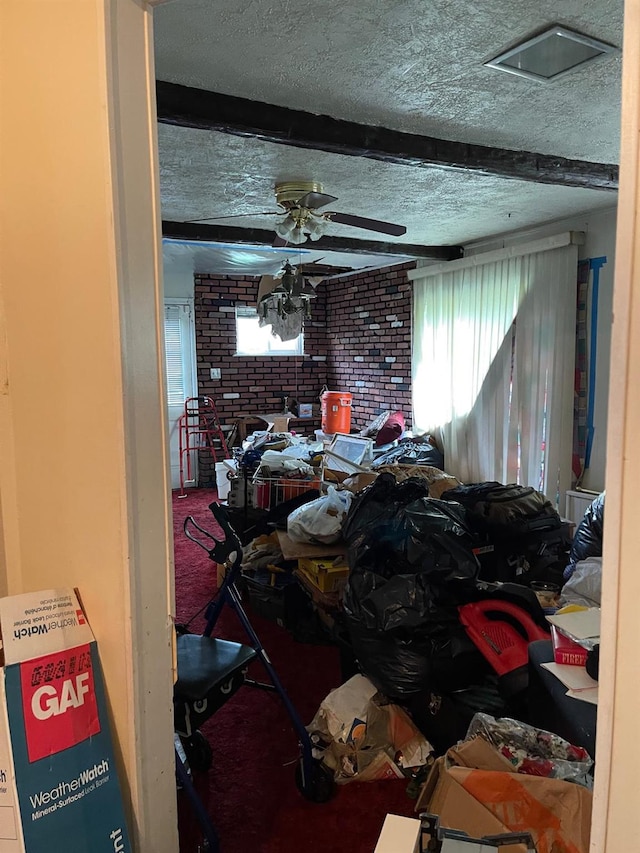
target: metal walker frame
<point>314,780</point>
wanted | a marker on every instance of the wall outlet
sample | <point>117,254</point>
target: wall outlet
<point>214,373</point>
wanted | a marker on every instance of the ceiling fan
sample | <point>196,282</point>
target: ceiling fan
<point>301,217</point>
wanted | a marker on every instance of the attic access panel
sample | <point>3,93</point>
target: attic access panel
<point>551,54</point>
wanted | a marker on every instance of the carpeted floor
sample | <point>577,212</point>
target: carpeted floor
<point>250,791</point>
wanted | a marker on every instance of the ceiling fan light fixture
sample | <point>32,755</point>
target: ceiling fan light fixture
<point>285,226</point>
<point>316,228</point>
<point>551,54</point>
<point>297,236</point>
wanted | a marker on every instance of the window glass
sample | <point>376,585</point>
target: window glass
<point>252,339</point>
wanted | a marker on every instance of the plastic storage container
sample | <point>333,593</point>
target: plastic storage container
<point>336,411</point>
<point>223,485</point>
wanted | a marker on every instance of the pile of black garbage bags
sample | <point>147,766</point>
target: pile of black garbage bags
<point>412,564</point>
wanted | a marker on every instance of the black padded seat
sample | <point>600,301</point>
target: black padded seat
<point>204,663</point>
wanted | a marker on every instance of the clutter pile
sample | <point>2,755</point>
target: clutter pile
<point>435,592</point>
<point>474,788</point>
<point>362,737</point>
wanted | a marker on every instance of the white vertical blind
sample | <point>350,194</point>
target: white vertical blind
<point>493,361</point>
<point>175,353</point>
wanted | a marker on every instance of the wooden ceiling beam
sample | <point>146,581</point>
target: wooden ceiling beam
<point>185,106</point>
<point>261,237</point>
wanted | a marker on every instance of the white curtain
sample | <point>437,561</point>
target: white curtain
<point>493,362</point>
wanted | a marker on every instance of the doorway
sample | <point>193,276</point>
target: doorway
<point>180,355</point>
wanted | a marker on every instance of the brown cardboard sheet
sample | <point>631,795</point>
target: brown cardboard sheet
<point>294,550</point>
<point>474,789</point>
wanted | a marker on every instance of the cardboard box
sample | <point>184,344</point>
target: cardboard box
<point>326,605</point>
<point>354,482</point>
<point>305,410</point>
<point>478,754</point>
<point>403,835</point>
<point>328,576</point>
<point>294,550</point>
<point>484,800</point>
<point>565,650</point>
<point>58,784</point>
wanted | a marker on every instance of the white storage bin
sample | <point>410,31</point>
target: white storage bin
<point>223,484</point>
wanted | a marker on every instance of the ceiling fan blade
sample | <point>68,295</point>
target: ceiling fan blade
<point>313,201</point>
<point>237,216</point>
<point>279,242</point>
<point>368,224</point>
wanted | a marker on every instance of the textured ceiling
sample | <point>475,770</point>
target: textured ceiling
<point>413,66</point>
<point>205,174</point>
<point>406,64</point>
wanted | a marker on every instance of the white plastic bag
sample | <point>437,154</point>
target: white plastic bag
<point>319,522</point>
<point>344,707</point>
<point>585,584</point>
<point>286,461</point>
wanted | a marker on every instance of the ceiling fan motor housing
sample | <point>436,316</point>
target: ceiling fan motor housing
<point>289,193</point>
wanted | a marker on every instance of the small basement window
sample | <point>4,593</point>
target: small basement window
<point>253,339</point>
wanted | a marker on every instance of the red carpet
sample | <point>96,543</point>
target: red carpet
<point>250,791</point>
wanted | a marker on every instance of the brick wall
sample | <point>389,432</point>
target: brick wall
<point>249,384</point>
<point>369,341</point>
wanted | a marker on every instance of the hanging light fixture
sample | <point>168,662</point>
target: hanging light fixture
<point>292,295</point>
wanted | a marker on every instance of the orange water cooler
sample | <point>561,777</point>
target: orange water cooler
<point>336,411</point>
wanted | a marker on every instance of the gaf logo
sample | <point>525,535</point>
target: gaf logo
<point>46,703</point>
<point>58,701</point>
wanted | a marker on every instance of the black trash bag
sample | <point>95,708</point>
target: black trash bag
<point>456,661</point>
<point>506,510</point>
<point>412,451</point>
<point>587,540</point>
<point>404,664</point>
<point>444,719</point>
<point>396,529</point>
<point>396,663</point>
<point>411,564</point>
<point>407,603</point>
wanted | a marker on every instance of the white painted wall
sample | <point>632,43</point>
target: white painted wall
<point>84,491</point>
<point>615,801</point>
<point>599,228</point>
<point>178,284</point>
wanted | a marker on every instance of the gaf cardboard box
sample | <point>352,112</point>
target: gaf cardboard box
<point>58,784</point>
